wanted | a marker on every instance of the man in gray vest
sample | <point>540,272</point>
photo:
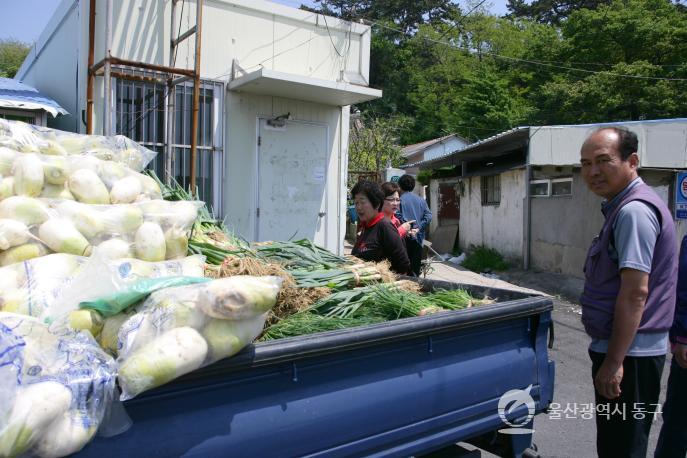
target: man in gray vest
<point>629,293</point>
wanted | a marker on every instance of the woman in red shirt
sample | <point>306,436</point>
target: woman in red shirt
<point>392,203</point>
<point>378,238</point>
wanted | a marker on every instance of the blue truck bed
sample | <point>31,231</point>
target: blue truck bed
<point>400,388</point>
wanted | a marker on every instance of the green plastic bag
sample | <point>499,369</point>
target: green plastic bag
<point>115,303</point>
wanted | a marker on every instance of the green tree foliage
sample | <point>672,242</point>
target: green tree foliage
<point>404,14</point>
<point>374,142</point>
<point>550,11</point>
<point>444,70</point>
<point>12,54</point>
<point>634,48</point>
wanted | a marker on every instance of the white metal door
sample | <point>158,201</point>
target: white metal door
<point>292,177</point>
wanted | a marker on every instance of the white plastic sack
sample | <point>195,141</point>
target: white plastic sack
<point>178,330</point>
<point>64,383</point>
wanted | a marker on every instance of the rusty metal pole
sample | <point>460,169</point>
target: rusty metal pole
<point>196,95</point>
<point>171,102</point>
<point>107,99</point>
<point>91,75</point>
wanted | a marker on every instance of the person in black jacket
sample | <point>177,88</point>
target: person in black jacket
<point>378,238</point>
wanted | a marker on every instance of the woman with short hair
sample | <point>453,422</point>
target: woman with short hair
<point>392,204</point>
<point>378,238</point>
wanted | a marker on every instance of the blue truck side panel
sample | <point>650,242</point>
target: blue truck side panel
<point>394,389</point>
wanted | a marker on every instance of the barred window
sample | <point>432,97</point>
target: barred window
<point>141,114</point>
<point>491,189</point>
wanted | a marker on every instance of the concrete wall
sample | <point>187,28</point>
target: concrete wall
<point>499,227</point>
<point>563,227</point>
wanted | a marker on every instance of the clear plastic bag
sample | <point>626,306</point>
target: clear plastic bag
<point>178,330</point>
<point>33,287</point>
<point>82,178</point>
<point>64,383</point>
<point>152,231</point>
<point>27,138</point>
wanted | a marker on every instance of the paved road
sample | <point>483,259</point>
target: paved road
<point>560,437</point>
<point>574,437</point>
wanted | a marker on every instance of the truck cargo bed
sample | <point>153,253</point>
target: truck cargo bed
<point>398,388</point>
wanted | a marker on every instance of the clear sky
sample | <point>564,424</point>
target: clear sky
<point>25,19</point>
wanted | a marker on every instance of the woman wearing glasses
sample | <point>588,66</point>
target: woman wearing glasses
<point>378,239</point>
<point>392,205</point>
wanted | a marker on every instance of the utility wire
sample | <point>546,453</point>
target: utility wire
<point>330,35</point>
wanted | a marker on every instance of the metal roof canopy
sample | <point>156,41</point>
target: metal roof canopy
<point>19,96</point>
<point>289,86</point>
<point>489,147</point>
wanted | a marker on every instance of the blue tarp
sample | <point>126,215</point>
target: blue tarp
<point>17,95</point>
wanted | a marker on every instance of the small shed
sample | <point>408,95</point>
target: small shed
<point>275,94</point>
<point>521,191</point>
<point>431,149</point>
<point>21,102</point>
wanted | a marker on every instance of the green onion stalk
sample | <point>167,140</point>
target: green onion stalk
<point>303,323</point>
<point>301,254</point>
<point>355,275</point>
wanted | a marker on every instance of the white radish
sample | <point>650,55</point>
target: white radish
<point>25,209</point>
<point>13,233</point>
<point>6,187</point>
<point>28,175</point>
<point>22,253</point>
<point>86,220</point>
<point>176,243</point>
<point>7,157</point>
<point>62,237</point>
<point>126,190</point>
<point>56,191</point>
<point>88,188</point>
<point>55,170</point>
<point>114,249</point>
<point>150,242</point>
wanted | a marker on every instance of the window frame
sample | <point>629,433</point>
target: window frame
<point>561,180</point>
<point>541,181</point>
<point>490,197</point>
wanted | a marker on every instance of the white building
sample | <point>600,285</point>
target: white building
<point>521,192</point>
<point>277,84</point>
<point>431,149</point>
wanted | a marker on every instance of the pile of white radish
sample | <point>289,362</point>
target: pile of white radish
<point>153,230</point>
<point>26,138</point>
<point>178,330</point>
<point>33,287</point>
<point>82,178</point>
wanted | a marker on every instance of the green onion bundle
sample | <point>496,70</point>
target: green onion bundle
<point>301,254</point>
<point>309,323</point>
<point>355,275</point>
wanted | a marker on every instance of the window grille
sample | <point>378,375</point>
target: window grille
<point>491,189</point>
<point>141,114</point>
